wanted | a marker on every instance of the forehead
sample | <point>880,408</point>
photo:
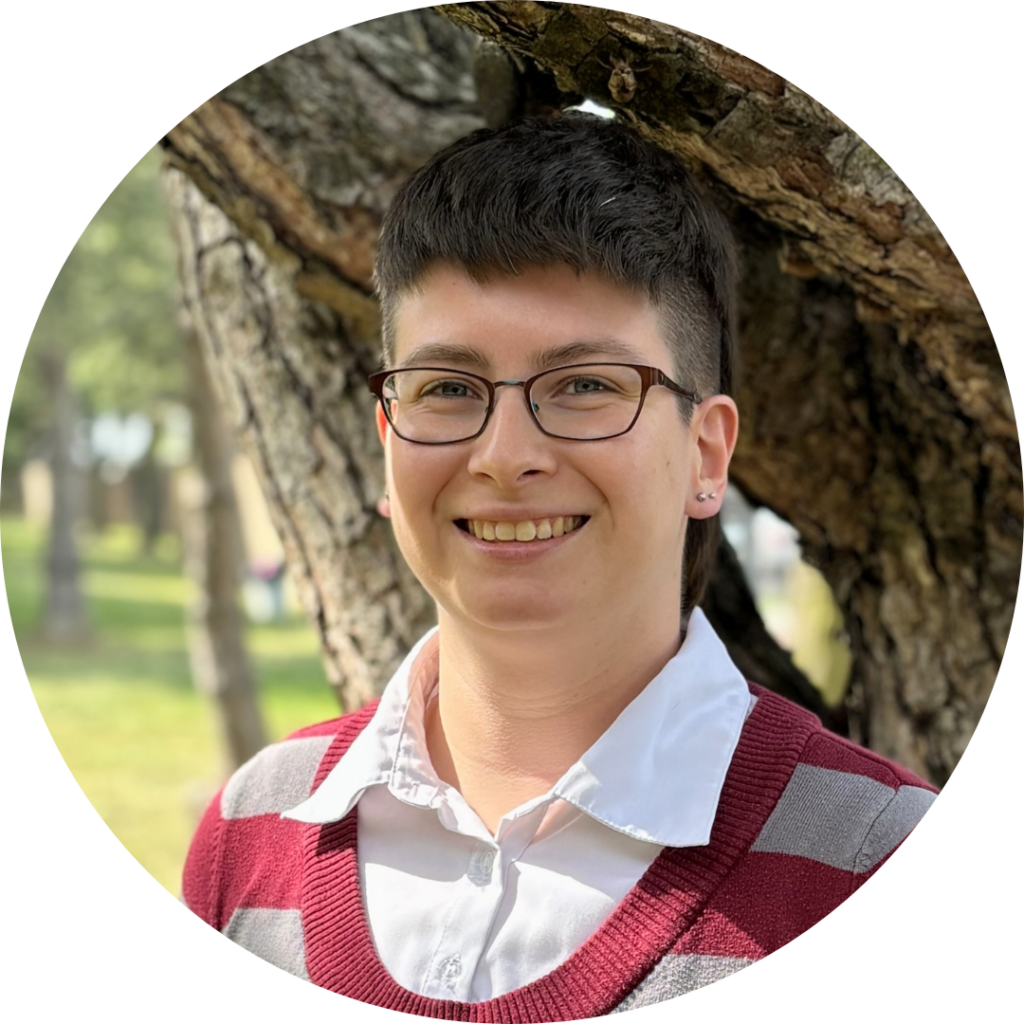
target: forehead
<point>540,317</point>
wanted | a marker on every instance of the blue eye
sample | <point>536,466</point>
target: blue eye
<point>449,389</point>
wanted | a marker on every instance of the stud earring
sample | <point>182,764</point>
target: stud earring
<point>701,496</point>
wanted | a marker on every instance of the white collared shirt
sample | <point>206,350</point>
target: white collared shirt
<point>458,913</point>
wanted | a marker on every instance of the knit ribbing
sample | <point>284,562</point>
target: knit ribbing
<point>803,818</point>
<point>661,906</point>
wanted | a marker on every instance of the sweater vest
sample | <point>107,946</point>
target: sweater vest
<point>805,818</point>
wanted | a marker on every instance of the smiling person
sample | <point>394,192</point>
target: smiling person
<point>568,801</point>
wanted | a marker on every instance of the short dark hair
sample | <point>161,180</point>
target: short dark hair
<point>591,193</point>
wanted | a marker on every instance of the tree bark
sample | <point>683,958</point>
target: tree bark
<point>212,553</point>
<point>286,176</point>
<point>876,418</point>
<point>65,618</point>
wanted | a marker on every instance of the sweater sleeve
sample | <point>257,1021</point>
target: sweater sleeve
<point>200,883</point>
<point>897,819</point>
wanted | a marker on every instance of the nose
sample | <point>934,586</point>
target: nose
<point>511,448</point>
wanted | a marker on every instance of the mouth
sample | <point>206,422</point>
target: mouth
<point>524,530</point>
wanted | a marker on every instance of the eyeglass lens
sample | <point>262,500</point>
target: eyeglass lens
<point>583,402</point>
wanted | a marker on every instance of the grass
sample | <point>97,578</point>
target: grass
<point>121,708</point>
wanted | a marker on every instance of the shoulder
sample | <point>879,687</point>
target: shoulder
<point>284,774</point>
<point>242,843</point>
<point>844,806</point>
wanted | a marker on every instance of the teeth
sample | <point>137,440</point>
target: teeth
<point>527,530</point>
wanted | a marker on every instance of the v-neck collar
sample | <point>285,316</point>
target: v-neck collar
<point>665,902</point>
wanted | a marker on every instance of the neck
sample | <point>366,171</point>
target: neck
<point>516,709</point>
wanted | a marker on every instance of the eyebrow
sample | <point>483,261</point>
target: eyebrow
<point>445,353</point>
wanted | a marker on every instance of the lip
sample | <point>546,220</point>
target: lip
<point>517,550</point>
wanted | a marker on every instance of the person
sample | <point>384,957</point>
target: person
<point>568,801</point>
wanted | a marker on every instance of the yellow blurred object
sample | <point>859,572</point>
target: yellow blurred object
<point>262,544</point>
<point>37,492</point>
<point>818,646</point>
<point>804,618</point>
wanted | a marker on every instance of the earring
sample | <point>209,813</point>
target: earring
<point>701,496</point>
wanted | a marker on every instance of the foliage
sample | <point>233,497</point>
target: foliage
<point>112,311</point>
<point>136,736</point>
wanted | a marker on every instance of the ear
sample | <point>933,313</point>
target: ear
<point>383,503</point>
<point>714,429</point>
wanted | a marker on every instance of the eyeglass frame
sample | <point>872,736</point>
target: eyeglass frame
<point>650,376</point>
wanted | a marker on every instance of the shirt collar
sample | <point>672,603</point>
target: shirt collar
<point>655,774</point>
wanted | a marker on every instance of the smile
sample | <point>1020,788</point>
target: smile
<point>525,530</point>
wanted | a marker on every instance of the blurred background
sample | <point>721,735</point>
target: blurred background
<point>109,599</point>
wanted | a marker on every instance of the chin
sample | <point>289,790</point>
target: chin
<point>504,612</point>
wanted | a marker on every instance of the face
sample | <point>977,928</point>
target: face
<point>632,493</point>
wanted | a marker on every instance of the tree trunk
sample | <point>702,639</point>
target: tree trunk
<point>210,535</point>
<point>149,482</point>
<point>876,418</point>
<point>287,174</point>
<point>65,617</point>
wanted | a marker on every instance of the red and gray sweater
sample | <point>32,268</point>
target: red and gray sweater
<point>804,819</point>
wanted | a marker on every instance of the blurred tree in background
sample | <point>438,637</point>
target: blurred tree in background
<point>105,343</point>
<point>110,317</point>
<point>103,398</point>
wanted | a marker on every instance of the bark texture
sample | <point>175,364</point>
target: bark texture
<point>211,533</point>
<point>283,180</point>
<point>876,417</point>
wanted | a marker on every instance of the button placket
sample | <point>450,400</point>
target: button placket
<point>467,926</point>
<point>449,971</point>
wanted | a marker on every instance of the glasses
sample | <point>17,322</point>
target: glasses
<point>584,402</point>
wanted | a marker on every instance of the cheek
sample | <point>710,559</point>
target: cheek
<point>417,476</point>
<point>651,489</point>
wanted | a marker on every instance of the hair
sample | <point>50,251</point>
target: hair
<point>590,193</point>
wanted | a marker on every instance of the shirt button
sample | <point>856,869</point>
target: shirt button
<point>449,971</point>
<point>481,865</point>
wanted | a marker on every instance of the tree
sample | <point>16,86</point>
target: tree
<point>105,339</point>
<point>64,617</point>
<point>877,419</point>
<point>108,340</point>
<point>211,540</point>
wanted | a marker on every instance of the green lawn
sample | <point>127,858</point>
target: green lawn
<point>121,709</point>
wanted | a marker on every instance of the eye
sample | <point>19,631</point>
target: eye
<point>584,385</point>
<point>450,389</point>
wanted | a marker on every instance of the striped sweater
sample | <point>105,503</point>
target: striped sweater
<point>804,819</point>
